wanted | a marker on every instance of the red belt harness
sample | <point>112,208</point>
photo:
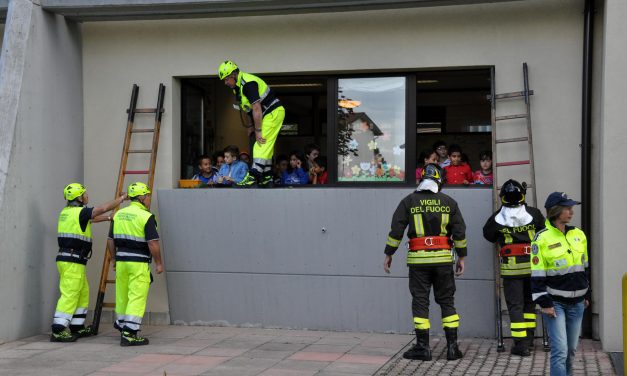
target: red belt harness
<point>518,249</point>
<point>429,243</point>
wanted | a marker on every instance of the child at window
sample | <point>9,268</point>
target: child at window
<point>319,174</point>
<point>218,160</point>
<point>280,166</point>
<point>206,173</point>
<point>245,157</point>
<point>484,174</point>
<point>458,172</point>
<point>295,174</point>
<point>443,153</point>
<point>426,156</point>
<point>312,151</point>
<point>233,170</point>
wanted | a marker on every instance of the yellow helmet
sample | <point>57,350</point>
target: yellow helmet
<point>73,191</point>
<point>137,189</point>
<point>226,69</point>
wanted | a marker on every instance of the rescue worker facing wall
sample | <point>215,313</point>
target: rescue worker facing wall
<point>513,227</point>
<point>434,219</point>
<point>135,239</point>
<point>75,240</point>
<point>256,98</point>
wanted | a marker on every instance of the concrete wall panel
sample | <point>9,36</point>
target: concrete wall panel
<point>46,155</point>
<point>265,260</point>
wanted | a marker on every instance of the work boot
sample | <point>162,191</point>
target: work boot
<point>520,348</point>
<point>266,180</point>
<point>420,351</point>
<point>81,331</point>
<point>452,350</point>
<point>132,339</point>
<point>249,181</point>
<point>62,336</point>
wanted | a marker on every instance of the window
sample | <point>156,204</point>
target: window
<point>373,134</point>
<point>452,107</point>
<point>371,129</point>
<point>197,123</point>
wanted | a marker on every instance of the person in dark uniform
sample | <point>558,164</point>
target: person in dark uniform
<point>436,231</point>
<point>513,227</point>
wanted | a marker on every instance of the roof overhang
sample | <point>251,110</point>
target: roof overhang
<point>112,10</point>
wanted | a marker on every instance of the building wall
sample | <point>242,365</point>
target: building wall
<point>46,154</point>
<point>546,34</point>
<point>315,262</point>
<point>613,137</point>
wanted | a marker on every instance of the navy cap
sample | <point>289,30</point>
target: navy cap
<point>559,198</point>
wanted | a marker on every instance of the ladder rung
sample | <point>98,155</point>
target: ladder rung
<point>514,163</point>
<point>108,305</point>
<point>144,110</point>
<point>136,172</point>
<point>515,139</point>
<point>509,117</point>
<point>142,130</point>
<point>110,280</point>
<point>514,94</point>
<point>140,151</point>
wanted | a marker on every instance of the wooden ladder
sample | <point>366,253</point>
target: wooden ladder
<point>497,122</point>
<point>123,172</point>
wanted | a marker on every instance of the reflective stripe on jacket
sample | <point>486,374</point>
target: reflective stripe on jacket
<point>514,266</point>
<point>129,234</point>
<point>74,243</point>
<point>266,96</point>
<point>428,214</point>
<point>559,266</point>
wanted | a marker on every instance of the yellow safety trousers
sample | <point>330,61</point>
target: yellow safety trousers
<point>270,128</point>
<point>132,281</point>
<point>74,290</point>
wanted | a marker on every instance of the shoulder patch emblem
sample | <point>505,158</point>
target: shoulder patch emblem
<point>536,260</point>
<point>576,239</point>
<point>556,245</point>
<point>534,249</point>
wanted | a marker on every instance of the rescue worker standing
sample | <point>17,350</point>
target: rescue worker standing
<point>560,281</point>
<point>135,238</point>
<point>255,98</point>
<point>434,219</point>
<point>75,241</point>
<point>513,227</point>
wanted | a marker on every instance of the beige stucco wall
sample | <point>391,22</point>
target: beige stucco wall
<point>546,34</point>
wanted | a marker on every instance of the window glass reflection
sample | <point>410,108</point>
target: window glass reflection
<point>371,129</point>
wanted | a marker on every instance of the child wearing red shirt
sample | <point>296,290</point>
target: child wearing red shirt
<point>484,175</point>
<point>319,174</point>
<point>458,172</point>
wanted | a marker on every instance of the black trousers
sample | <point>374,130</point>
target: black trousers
<point>443,280</point>
<point>518,299</point>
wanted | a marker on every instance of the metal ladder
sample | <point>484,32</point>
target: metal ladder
<point>496,121</point>
<point>123,172</point>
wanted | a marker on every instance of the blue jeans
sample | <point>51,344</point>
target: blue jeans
<point>564,334</point>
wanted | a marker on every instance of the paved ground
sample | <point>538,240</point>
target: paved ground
<point>482,359</point>
<point>184,350</point>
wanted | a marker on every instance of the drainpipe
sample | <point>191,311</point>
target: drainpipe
<point>586,137</point>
